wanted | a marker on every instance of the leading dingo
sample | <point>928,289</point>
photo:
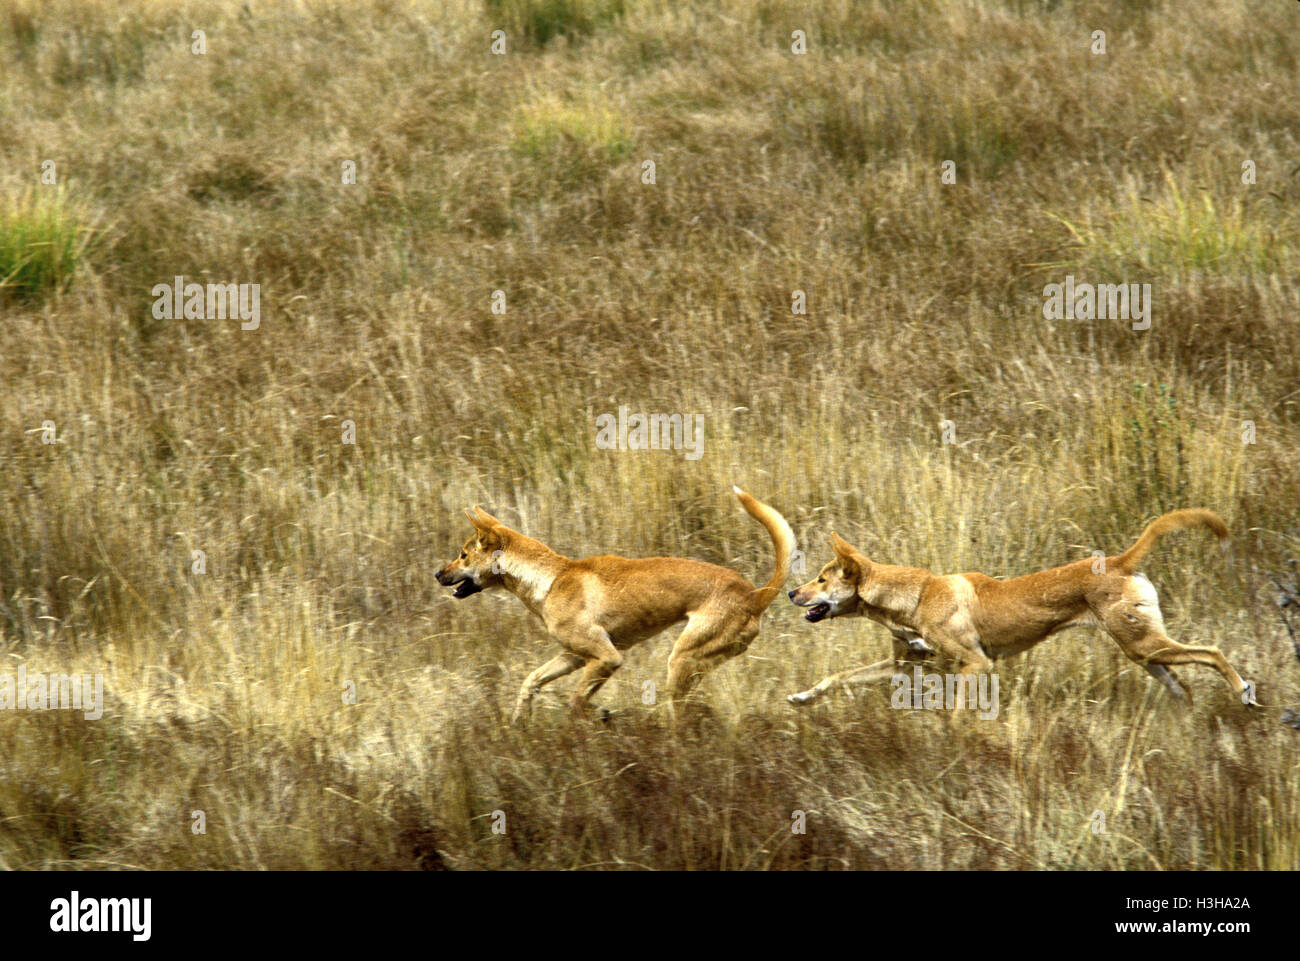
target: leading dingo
<point>972,619</point>
<point>598,607</point>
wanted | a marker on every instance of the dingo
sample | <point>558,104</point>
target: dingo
<point>598,607</point>
<point>971,619</point>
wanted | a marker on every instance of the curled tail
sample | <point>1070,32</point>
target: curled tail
<point>782,540</point>
<point>1173,521</point>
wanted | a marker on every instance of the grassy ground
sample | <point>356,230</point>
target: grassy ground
<point>523,173</point>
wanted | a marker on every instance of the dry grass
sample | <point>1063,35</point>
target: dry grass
<point>522,173</point>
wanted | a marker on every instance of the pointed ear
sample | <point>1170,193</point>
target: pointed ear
<point>841,547</point>
<point>491,533</point>
<point>484,519</point>
<point>473,516</point>
<point>845,553</point>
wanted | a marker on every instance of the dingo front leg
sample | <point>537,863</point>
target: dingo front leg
<point>860,675</point>
<point>557,666</point>
<point>600,658</point>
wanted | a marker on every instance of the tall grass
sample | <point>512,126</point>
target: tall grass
<point>310,688</point>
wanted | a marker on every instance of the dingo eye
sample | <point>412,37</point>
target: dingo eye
<point>822,579</point>
<point>463,555</point>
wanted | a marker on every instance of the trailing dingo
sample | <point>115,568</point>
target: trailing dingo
<point>972,619</point>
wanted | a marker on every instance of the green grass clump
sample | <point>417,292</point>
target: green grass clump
<point>545,130</point>
<point>42,238</point>
<point>540,21</point>
<point>1182,230</point>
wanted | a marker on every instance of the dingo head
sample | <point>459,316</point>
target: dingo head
<point>835,591</point>
<point>476,568</point>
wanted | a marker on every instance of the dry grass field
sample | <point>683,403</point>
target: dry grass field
<point>305,683</point>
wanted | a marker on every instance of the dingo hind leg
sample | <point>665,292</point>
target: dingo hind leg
<point>705,644</point>
<point>1134,621</point>
<point>1156,651</point>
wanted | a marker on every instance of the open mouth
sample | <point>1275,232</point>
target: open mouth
<point>817,612</point>
<point>465,588</point>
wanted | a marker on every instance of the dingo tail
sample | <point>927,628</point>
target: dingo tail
<point>1173,521</point>
<point>782,540</point>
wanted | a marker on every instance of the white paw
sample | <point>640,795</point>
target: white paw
<point>801,698</point>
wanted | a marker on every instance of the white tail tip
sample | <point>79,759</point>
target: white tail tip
<point>737,489</point>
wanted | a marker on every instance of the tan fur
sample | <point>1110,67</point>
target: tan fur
<point>969,620</point>
<point>599,607</point>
